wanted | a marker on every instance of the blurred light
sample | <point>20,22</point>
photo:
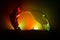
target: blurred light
<point>43,15</point>
<point>18,10</point>
<point>21,25</point>
<point>38,26</point>
<point>26,21</point>
<point>35,28</point>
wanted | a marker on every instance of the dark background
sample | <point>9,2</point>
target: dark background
<point>7,6</point>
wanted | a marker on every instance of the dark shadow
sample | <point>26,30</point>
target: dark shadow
<point>13,19</point>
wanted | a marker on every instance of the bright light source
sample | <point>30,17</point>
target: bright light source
<point>26,21</point>
<point>36,28</point>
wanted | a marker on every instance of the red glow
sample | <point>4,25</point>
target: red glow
<point>18,10</point>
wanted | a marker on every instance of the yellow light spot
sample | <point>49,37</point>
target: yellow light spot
<point>37,26</point>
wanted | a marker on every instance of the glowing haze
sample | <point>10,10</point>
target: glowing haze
<point>26,21</point>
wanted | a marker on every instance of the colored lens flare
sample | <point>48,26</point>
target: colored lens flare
<point>26,21</point>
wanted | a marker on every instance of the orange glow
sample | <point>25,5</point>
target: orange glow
<point>27,22</point>
<point>8,23</point>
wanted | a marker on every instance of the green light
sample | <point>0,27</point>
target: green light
<point>21,25</point>
<point>46,25</point>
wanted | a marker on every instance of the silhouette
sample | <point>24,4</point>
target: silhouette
<point>13,19</point>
